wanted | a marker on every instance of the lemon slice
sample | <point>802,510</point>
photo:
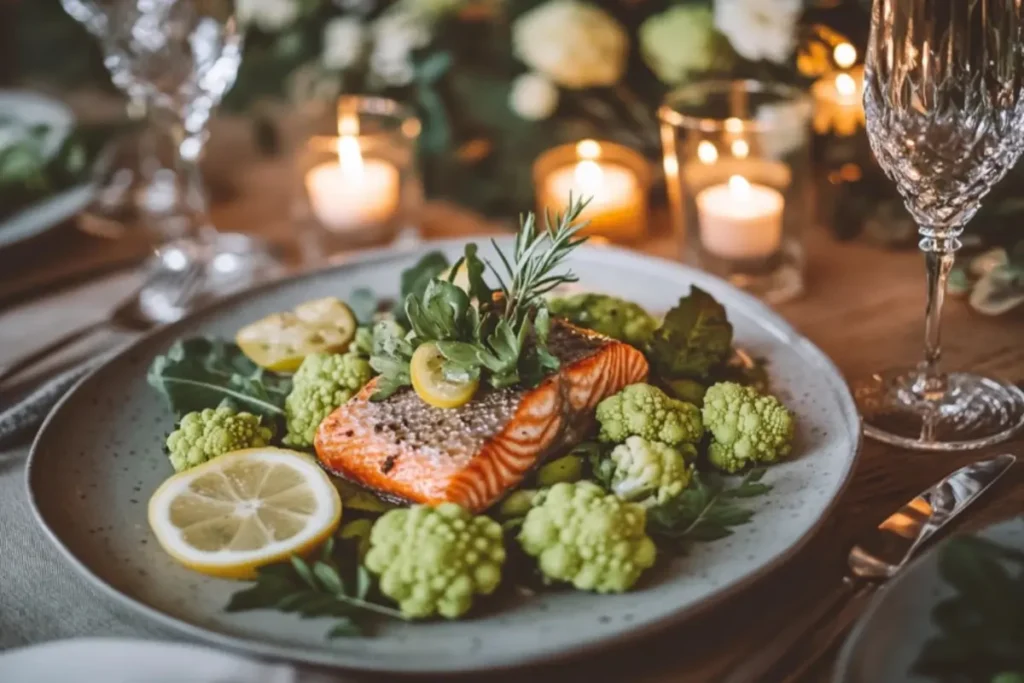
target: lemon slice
<point>243,510</point>
<point>281,341</point>
<point>430,384</point>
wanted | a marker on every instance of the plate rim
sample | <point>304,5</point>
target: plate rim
<point>254,646</point>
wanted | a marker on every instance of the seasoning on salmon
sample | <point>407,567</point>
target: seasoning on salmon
<point>471,455</point>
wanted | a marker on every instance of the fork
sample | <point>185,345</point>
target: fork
<point>166,294</point>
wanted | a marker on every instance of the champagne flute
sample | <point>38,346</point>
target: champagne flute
<point>185,54</point>
<point>945,109</point>
<point>129,177</point>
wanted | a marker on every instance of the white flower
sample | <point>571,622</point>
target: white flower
<point>533,97</point>
<point>759,29</point>
<point>395,35</point>
<point>678,42</point>
<point>574,44</point>
<point>269,15</point>
<point>343,42</point>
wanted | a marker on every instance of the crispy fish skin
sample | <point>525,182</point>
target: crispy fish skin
<point>472,455</point>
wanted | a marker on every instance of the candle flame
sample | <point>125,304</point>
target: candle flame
<point>349,154</point>
<point>588,175</point>
<point>740,149</point>
<point>845,55</point>
<point>734,125</point>
<point>707,152</point>
<point>739,187</point>
<point>845,85</point>
<point>588,149</point>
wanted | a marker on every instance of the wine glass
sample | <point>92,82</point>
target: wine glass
<point>185,55</point>
<point>129,177</point>
<point>945,110</point>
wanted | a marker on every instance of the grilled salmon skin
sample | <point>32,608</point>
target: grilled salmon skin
<point>409,451</point>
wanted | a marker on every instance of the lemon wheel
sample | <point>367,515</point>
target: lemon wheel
<point>243,510</point>
<point>426,369</point>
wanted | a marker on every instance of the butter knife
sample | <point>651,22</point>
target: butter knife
<point>875,559</point>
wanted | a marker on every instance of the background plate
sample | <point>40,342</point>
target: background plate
<point>885,642</point>
<point>100,455</point>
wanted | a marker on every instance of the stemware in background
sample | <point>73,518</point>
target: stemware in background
<point>945,109</point>
<point>185,55</point>
<point>131,181</point>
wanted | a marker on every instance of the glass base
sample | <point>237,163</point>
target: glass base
<point>973,412</point>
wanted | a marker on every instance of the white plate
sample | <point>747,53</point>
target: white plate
<point>100,455</point>
<point>51,212</point>
<point>889,636</point>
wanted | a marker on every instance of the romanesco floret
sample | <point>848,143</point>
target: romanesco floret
<point>647,472</point>
<point>608,315</point>
<point>203,435</point>
<point>590,538</point>
<point>648,412</point>
<point>434,560</point>
<point>322,383</point>
<point>746,427</point>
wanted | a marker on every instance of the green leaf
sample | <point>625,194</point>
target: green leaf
<point>328,577</point>
<point>363,582</point>
<point>694,337</point>
<point>414,280</point>
<point>303,571</point>
<point>345,628</point>
<point>200,373</point>
<point>434,67</point>
<point>478,287</point>
<point>363,303</point>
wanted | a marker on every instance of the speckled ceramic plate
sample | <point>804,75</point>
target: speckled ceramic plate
<point>99,457</point>
<point>889,636</point>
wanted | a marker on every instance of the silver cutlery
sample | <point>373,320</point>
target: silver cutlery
<point>168,292</point>
<point>877,558</point>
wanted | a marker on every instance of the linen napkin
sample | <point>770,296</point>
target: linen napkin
<point>116,660</point>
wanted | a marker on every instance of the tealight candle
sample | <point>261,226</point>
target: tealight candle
<point>617,192</point>
<point>739,220</point>
<point>352,192</point>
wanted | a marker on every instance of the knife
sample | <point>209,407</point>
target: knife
<point>876,558</point>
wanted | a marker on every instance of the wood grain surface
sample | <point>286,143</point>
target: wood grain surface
<point>863,306</point>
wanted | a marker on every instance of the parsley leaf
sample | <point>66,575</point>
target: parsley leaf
<point>694,338</point>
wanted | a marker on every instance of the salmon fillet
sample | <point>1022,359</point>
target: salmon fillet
<point>409,451</point>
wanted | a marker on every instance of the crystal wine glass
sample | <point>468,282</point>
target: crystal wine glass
<point>185,54</point>
<point>130,180</point>
<point>945,114</point>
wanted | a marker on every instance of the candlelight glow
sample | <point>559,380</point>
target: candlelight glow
<point>589,175</point>
<point>740,149</point>
<point>845,85</point>
<point>739,187</point>
<point>734,125</point>
<point>707,152</point>
<point>588,149</point>
<point>845,55</point>
<point>349,154</point>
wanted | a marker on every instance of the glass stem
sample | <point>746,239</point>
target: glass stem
<point>189,146</point>
<point>939,252</point>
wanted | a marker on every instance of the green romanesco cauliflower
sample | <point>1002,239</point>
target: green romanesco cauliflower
<point>592,539</point>
<point>647,472</point>
<point>607,315</point>
<point>746,427</point>
<point>205,434</point>
<point>322,383</point>
<point>434,560</point>
<point>648,412</point>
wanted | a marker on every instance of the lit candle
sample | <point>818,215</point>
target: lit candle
<point>352,192</point>
<point>739,220</point>
<point>618,203</point>
<point>837,97</point>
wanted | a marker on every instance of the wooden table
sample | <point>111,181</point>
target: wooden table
<point>863,307</point>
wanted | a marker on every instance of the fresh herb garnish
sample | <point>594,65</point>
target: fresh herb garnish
<point>322,588</point>
<point>199,373</point>
<point>981,627</point>
<point>414,280</point>
<point>498,336</point>
<point>706,511</point>
<point>694,338</point>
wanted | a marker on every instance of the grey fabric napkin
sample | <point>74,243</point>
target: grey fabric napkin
<point>25,416</point>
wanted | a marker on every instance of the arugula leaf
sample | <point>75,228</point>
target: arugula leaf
<point>705,511</point>
<point>317,589</point>
<point>201,373</point>
<point>414,280</point>
<point>443,312</point>
<point>390,358</point>
<point>695,337</point>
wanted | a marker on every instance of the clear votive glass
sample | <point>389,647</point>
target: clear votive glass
<point>740,182</point>
<point>358,179</point>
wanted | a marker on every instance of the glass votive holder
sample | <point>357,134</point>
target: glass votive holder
<point>740,181</point>
<point>615,178</point>
<point>359,185</point>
